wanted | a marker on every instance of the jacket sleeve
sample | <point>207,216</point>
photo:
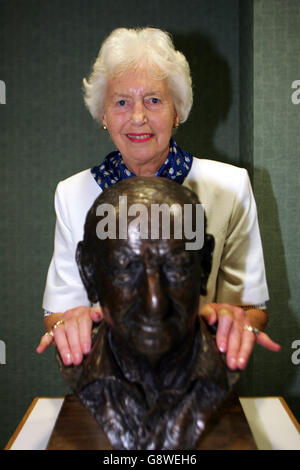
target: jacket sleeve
<point>241,277</point>
<point>64,289</point>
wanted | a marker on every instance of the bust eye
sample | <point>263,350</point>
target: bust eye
<point>178,268</point>
<point>175,273</point>
<point>128,273</point>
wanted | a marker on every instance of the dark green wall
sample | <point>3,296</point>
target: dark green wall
<point>276,162</point>
<point>46,134</point>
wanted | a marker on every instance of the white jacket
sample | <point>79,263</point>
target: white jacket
<point>238,272</point>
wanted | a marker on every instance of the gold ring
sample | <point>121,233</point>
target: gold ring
<point>57,324</point>
<point>256,331</point>
<point>49,333</point>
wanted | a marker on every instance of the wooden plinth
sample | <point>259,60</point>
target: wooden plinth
<point>77,429</point>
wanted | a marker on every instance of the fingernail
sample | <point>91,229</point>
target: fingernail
<point>67,359</point>
<point>222,347</point>
<point>77,358</point>
<point>86,348</point>
<point>232,362</point>
<point>242,361</point>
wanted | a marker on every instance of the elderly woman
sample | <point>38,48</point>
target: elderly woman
<point>140,89</point>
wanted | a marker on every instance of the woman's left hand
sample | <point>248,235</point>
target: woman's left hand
<point>232,338</point>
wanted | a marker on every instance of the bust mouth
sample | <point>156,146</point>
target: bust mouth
<point>164,323</point>
<point>149,326</point>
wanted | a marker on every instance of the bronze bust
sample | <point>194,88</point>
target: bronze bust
<point>154,375</point>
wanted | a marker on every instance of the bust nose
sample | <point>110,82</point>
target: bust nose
<point>156,297</point>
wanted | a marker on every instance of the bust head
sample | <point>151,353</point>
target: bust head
<point>154,375</point>
<point>147,282</point>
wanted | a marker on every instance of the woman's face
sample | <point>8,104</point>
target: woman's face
<point>139,114</point>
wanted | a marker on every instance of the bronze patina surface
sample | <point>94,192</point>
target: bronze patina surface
<point>154,376</point>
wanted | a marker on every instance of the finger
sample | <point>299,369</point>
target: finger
<point>96,314</point>
<point>45,342</point>
<point>223,331</point>
<point>224,311</point>
<point>209,314</point>
<point>85,337</point>
<point>72,334</point>
<point>247,344</point>
<point>63,345</point>
<point>264,340</point>
<point>234,344</point>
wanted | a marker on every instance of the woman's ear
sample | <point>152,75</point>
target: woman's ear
<point>177,120</point>
<point>104,122</point>
<point>87,271</point>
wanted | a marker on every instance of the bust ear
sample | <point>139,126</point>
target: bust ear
<point>206,262</point>
<point>87,271</point>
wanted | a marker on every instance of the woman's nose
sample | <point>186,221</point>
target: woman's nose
<point>138,115</point>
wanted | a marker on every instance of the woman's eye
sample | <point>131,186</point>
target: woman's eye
<point>154,100</point>
<point>121,102</point>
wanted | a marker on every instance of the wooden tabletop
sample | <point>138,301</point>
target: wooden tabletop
<point>270,419</point>
<point>77,429</point>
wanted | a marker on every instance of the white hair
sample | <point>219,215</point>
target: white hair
<point>125,49</point>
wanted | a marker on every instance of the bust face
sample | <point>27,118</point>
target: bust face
<point>149,293</point>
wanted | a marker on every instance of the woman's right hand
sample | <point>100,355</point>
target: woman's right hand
<point>73,337</point>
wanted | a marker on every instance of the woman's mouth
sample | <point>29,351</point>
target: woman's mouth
<point>139,138</point>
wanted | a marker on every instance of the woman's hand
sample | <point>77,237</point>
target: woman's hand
<point>72,333</point>
<point>231,337</point>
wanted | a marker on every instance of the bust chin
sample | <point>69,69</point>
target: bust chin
<point>141,407</point>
